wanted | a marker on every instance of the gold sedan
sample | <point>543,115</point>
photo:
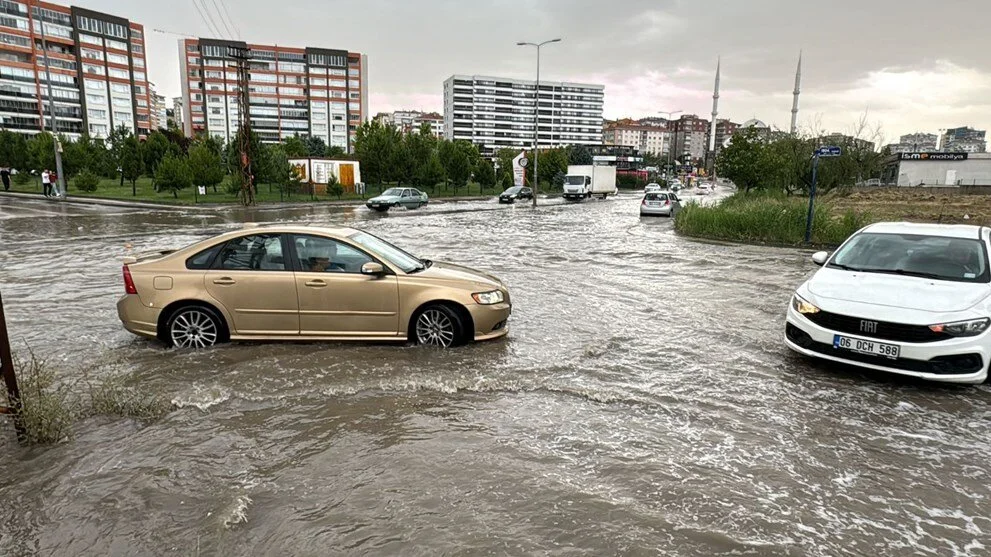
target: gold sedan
<point>307,283</point>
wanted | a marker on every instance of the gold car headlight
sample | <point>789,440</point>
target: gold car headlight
<point>489,298</point>
<point>801,305</point>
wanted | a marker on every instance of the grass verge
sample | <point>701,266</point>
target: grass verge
<point>50,407</point>
<point>765,218</point>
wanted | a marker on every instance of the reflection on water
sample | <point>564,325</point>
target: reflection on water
<point>641,404</point>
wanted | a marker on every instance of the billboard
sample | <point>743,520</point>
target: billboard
<point>519,169</point>
<point>932,156</point>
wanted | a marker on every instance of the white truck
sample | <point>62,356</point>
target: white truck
<point>584,181</point>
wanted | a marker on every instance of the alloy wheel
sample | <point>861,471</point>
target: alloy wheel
<point>193,328</point>
<point>435,328</point>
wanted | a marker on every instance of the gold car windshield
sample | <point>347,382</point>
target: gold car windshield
<point>389,252</point>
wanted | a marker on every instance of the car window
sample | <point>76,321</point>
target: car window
<point>391,192</point>
<point>204,259</point>
<point>317,254</point>
<point>257,252</point>
<point>653,196</point>
<point>939,257</point>
<point>407,193</point>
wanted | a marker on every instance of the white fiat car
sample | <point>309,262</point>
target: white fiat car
<point>913,299</point>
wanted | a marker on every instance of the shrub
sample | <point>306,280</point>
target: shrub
<point>22,178</point>
<point>46,409</point>
<point>335,189</point>
<point>86,181</point>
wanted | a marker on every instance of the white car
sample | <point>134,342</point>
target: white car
<point>652,187</point>
<point>703,189</point>
<point>912,299</point>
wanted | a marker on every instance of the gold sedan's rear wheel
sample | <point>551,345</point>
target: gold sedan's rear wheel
<point>194,327</point>
<point>439,326</point>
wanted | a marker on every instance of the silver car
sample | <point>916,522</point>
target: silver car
<point>664,204</point>
<point>411,198</point>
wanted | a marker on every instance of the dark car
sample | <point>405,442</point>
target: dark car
<point>514,193</point>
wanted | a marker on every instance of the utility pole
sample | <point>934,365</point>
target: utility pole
<point>536,118</point>
<point>241,55</point>
<point>60,179</point>
<point>9,378</point>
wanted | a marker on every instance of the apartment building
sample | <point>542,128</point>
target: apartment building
<point>496,113</point>
<point>408,121</point>
<point>964,140</point>
<point>652,138</point>
<point>691,138</point>
<point>159,113</point>
<point>175,114</point>
<point>96,70</point>
<point>292,91</point>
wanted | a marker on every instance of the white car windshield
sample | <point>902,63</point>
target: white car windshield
<point>935,257</point>
<point>389,252</point>
<point>396,192</point>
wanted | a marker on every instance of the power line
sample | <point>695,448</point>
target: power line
<point>229,18</point>
<point>210,27</point>
<point>225,21</point>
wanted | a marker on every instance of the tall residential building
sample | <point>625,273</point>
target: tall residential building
<point>306,91</point>
<point>848,141</point>
<point>646,138</point>
<point>159,116</point>
<point>964,140</point>
<point>408,121</point>
<point>176,117</point>
<point>915,142</point>
<point>724,132</point>
<point>96,66</point>
<point>691,137</point>
<point>496,113</point>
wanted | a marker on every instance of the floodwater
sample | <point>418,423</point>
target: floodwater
<point>642,404</point>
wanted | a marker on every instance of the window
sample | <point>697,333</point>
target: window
<point>290,91</point>
<point>118,73</point>
<point>336,72</point>
<point>98,129</point>
<point>96,85</point>
<point>259,252</point>
<point>90,39</point>
<point>96,99</point>
<point>120,88</point>
<point>122,117</point>
<point>101,27</point>
<point>354,84</point>
<point>137,34</point>
<point>323,255</point>
<point>116,44</point>
<point>96,113</point>
<point>264,77</point>
<point>119,59</point>
<point>122,102</point>
<point>137,49</point>
<point>14,23</point>
<point>94,69</point>
<point>14,40</point>
<point>139,76</point>
<point>935,257</point>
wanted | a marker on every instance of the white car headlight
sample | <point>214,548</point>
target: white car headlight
<point>488,298</point>
<point>969,328</point>
<point>801,305</point>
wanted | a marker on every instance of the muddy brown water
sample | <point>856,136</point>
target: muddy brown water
<point>642,404</point>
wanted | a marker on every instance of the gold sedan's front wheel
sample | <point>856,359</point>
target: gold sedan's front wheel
<point>439,326</point>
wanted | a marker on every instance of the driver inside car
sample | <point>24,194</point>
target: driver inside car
<point>319,256</point>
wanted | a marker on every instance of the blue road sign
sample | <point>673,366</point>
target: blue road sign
<point>828,152</point>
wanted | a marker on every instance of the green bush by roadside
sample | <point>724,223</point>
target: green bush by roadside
<point>768,218</point>
<point>86,181</point>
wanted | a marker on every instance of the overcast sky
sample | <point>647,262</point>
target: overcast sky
<point>912,65</point>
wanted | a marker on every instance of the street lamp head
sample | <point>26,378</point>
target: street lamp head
<point>522,44</point>
<point>554,41</point>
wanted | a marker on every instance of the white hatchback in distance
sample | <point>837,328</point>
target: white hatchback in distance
<point>912,299</point>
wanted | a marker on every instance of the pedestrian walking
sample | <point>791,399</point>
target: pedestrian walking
<point>53,178</point>
<point>5,176</point>
<point>46,182</point>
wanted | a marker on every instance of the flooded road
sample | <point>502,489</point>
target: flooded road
<point>642,404</point>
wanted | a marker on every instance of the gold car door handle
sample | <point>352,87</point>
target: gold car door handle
<point>226,281</point>
<point>316,283</point>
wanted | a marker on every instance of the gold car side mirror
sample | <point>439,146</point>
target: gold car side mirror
<point>372,268</point>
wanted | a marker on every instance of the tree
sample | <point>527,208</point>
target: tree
<point>579,154</point>
<point>471,152</point>
<point>315,146</point>
<point>558,180</point>
<point>459,170</point>
<point>86,181</point>
<point>117,139</point>
<point>279,172</point>
<point>131,165</point>
<point>154,150</point>
<point>13,150</point>
<point>748,161</point>
<point>335,152</point>
<point>507,180</point>
<point>173,175</point>
<point>334,186</point>
<point>295,147</point>
<point>431,173</point>
<point>485,175</point>
<point>374,145</point>
<point>41,152</point>
<point>205,167</point>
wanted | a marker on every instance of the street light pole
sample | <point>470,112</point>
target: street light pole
<point>668,116</point>
<point>60,183</point>
<point>536,117</point>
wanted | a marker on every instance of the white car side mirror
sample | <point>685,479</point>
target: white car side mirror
<point>820,257</point>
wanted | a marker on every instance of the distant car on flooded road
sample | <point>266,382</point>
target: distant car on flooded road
<point>307,283</point>
<point>410,198</point>
<point>911,299</point>
<point>664,204</point>
<point>515,193</point>
<point>652,187</point>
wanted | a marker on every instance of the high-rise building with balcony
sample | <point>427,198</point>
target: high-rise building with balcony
<point>964,140</point>
<point>496,113</point>
<point>96,69</point>
<point>292,91</point>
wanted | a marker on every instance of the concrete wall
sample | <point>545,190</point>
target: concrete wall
<point>951,190</point>
<point>972,171</point>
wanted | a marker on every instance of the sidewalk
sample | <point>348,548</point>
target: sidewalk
<point>81,200</point>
